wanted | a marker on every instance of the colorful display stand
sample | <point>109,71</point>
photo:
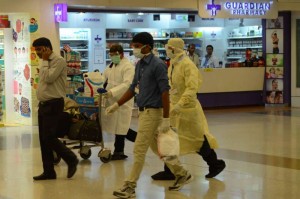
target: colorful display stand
<point>275,64</point>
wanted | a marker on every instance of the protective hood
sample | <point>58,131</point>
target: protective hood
<point>175,49</point>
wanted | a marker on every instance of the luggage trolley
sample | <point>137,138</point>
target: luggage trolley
<point>87,140</point>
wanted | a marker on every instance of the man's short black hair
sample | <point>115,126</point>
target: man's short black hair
<point>143,38</point>
<point>190,45</point>
<point>210,46</point>
<point>116,48</point>
<point>42,41</point>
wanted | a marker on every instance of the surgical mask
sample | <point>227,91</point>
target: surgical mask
<point>115,59</point>
<point>137,52</point>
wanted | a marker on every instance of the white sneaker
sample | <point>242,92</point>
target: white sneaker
<point>180,182</point>
<point>125,192</point>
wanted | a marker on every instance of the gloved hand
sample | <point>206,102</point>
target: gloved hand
<point>175,110</point>
<point>112,108</point>
<point>164,125</point>
<point>101,90</point>
<point>80,89</point>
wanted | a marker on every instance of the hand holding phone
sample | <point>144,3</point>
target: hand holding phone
<point>46,53</point>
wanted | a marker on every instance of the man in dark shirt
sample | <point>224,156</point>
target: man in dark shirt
<point>151,87</point>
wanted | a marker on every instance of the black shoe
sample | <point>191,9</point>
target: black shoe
<point>216,169</point>
<point>163,175</point>
<point>118,157</point>
<point>44,176</point>
<point>72,167</point>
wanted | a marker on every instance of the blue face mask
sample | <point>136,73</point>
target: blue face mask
<point>115,59</point>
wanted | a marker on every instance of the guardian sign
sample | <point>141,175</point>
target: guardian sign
<point>237,9</point>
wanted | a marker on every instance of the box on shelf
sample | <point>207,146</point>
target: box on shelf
<point>197,34</point>
<point>189,34</point>
<point>4,22</point>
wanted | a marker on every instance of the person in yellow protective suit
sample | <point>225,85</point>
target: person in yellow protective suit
<point>186,112</point>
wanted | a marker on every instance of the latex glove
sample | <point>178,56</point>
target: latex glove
<point>164,125</point>
<point>80,89</point>
<point>112,108</point>
<point>175,110</point>
<point>101,90</point>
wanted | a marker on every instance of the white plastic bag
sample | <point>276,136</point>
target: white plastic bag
<point>168,144</point>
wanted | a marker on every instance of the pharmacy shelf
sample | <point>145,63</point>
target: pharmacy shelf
<point>234,48</point>
<point>233,57</point>
<point>73,39</point>
<point>248,37</point>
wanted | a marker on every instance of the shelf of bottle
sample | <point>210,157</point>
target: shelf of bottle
<point>77,49</point>
<point>73,39</point>
<point>84,70</point>
<point>162,57</point>
<point>234,48</point>
<point>84,60</point>
<point>246,37</point>
<point>234,57</point>
<point>129,39</point>
<point>156,38</point>
<point>130,49</point>
<point>80,49</point>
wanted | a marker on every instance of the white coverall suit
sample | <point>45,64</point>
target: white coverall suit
<point>119,79</point>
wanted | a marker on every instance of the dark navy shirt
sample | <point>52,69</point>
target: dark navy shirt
<point>151,77</point>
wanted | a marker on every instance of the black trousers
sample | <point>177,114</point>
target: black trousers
<point>48,118</point>
<point>120,140</point>
<point>119,143</point>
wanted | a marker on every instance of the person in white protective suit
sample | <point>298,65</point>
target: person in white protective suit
<point>118,76</point>
<point>186,112</point>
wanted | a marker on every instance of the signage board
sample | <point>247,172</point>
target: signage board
<point>60,12</point>
<point>238,9</point>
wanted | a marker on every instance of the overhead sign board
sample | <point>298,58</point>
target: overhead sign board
<point>238,9</point>
<point>60,12</point>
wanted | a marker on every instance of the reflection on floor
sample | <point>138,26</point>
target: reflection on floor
<point>260,146</point>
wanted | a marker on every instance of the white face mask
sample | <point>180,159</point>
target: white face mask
<point>170,54</point>
<point>137,52</point>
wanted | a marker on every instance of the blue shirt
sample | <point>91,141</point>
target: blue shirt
<point>151,77</point>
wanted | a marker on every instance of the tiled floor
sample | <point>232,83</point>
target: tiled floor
<point>260,146</point>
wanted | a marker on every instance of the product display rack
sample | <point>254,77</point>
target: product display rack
<point>160,37</point>
<point>125,43</point>
<point>1,75</point>
<point>80,46</point>
<point>237,46</point>
<point>78,40</point>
